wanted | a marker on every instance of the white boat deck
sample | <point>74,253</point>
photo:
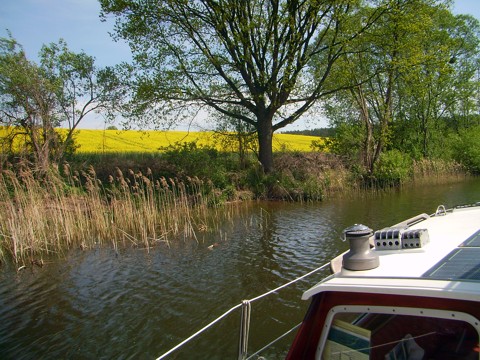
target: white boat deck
<point>403,271</point>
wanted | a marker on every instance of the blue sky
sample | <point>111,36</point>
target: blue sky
<point>37,22</point>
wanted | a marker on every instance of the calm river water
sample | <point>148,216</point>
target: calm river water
<point>134,304</point>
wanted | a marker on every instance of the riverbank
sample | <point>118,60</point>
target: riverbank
<point>147,200</point>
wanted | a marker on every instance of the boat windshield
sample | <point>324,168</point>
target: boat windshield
<point>404,333</point>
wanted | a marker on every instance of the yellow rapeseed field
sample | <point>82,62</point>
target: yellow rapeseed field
<point>125,141</point>
<point>99,141</point>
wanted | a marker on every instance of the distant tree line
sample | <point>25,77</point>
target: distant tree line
<point>321,132</point>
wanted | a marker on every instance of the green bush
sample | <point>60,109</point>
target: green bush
<point>313,188</point>
<point>467,149</point>
<point>204,162</point>
<point>285,184</point>
<point>254,179</point>
<point>347,143</point>
<point>392,168</point>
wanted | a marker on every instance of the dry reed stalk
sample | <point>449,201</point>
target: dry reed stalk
<point>47,216</point>
<point>437,169</point>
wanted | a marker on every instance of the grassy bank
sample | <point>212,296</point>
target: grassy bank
<point>143,200</point>
<point>146,199</point>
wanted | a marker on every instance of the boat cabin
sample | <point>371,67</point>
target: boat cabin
<point>410,291</point>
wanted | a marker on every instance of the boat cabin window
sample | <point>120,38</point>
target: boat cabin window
<point>399,334</point>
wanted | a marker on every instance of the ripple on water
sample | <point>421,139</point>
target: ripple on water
<point>137,304</point>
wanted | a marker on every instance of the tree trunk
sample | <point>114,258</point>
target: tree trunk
<point>265,137</point>
<point>424,131</point>
<point>385,116</point>
<point>368,143</point>
<point>40,149</point>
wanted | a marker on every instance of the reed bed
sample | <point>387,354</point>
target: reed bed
<point>432,169</point>
<point>40,217</point>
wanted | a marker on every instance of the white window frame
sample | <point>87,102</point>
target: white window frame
<point>390,310</point>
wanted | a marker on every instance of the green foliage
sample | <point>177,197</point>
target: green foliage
<point>192,55</point>
<point>321,132</point>
<point>313,188</point>
<point>299,177</point>
<point>392,168</point>
<point>467,149</point>
<point>253,179</point>
<point>348,142</point>
<point>323,145</point>
<point>58,92</point>
<point>204,162</point>
<point>400,89</point>
<point>235,135</point>
<point>275,185</point>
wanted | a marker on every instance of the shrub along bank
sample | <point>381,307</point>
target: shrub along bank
<point>143,200</point>
<point>299,176</point>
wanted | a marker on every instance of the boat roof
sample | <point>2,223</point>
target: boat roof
<point>447,266</point>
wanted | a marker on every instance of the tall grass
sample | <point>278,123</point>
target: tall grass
<point>434,169</point>
<point>309,176</point>
<point>46,216</point>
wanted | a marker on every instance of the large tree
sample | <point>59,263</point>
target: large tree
<point>249,60</point>
<point>404,77</point>
<point>439,86</point>
<point>60,91</point>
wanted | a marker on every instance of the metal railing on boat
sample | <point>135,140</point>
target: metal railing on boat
<point>245,307</point>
